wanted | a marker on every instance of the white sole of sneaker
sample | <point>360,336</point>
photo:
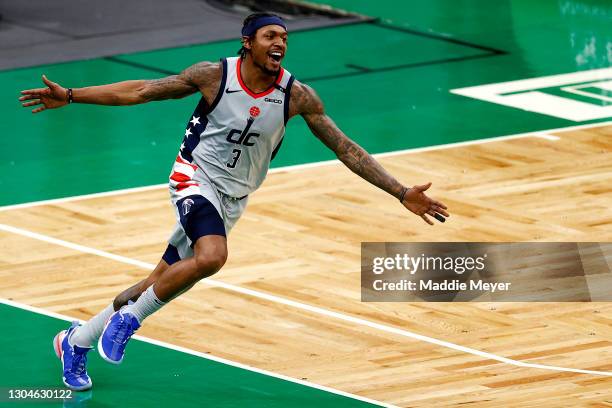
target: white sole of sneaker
<point>101,350</point>
<point>57,343</point>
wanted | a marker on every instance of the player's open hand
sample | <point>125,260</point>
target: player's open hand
<point>416,201</point>
<point>54,96</point>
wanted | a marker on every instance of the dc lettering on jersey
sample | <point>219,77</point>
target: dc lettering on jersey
<point>243,137</point>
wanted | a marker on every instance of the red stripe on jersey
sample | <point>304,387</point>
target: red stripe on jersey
<point>180,177</point>
<point>182,186</point>
<point>180,160</point>
<point>260,94</point>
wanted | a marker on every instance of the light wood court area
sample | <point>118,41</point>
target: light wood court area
<point>300,240</point>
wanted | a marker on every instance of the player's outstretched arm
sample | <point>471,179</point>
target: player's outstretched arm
<point>306,102</point>
<point>131,92</point>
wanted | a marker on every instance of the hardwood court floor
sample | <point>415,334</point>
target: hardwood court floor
<point>300,239</point>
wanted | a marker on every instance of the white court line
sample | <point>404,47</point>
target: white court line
<point>304,306</point>
<point>547,136</point>
<point>576,90</point>
<point>207,356</point>
<point>535,133</point>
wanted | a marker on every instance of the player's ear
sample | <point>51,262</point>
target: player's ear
<point>246,42</point>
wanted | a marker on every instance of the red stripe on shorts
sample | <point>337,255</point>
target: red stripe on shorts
<point>180,177</point>
<point>180,160</point>
<point>182,186</point>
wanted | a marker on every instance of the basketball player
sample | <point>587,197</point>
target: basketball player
<point>233,134</point>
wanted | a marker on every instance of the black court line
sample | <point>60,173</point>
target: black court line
<point>396,67</point>
<point>358,67</point>
<point>435,36</point>
<point>491,52</point>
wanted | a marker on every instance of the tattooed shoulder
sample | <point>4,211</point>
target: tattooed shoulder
<point>304,100</point>
<point>203,77</point>
<point>203,74</point>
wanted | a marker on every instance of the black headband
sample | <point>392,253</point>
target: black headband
<point>259,22</point>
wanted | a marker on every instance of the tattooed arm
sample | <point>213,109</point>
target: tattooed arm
<point>198,77</point>
<point>306,102</point>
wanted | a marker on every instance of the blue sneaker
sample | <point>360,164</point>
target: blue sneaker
<point>115,336</point>
<point>74,360</point>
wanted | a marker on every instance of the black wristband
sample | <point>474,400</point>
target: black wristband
<point>403,194</point>
<point>70,95</point>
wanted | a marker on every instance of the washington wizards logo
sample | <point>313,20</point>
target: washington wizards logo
<point>254,111</point>
<point>187,205</point>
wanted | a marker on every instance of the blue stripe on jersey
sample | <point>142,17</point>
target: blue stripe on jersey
<point>286,105</point>
<point>277,148</point>
<point>285,113</point>
<point>221,85</point>
<point>198,121</point>
<point>195,126</point>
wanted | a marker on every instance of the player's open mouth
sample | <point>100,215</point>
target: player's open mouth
<point>275,56</point>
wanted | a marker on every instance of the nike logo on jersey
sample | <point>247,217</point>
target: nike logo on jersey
<point>227,90</point>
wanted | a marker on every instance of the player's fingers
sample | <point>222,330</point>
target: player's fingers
<point>29,96</point>
<point>439,204</point>
<point>426,219</point>
<point>439,218</point>
<point>42,108</point>
<point>436,215</point>
<point>440,210</point>
<point>33,91</point>
<point>31,103</point>
<point>423,187</point>
<point>48,82</point>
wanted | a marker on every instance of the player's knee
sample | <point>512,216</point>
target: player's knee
<point>208,264</point>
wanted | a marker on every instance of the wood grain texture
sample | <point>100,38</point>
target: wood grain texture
<point>300,239</point>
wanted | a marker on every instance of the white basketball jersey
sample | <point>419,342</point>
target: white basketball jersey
<point>232,141</point>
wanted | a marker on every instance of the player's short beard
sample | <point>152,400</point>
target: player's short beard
<point>264,69</point>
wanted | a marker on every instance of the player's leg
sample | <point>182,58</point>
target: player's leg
<point>133,293</point>
<point>87,334</point>
<point>210,253</point>
<point>72,345</point>
<point>201,241</point>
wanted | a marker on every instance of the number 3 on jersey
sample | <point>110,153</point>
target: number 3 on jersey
<point>236,153</point>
